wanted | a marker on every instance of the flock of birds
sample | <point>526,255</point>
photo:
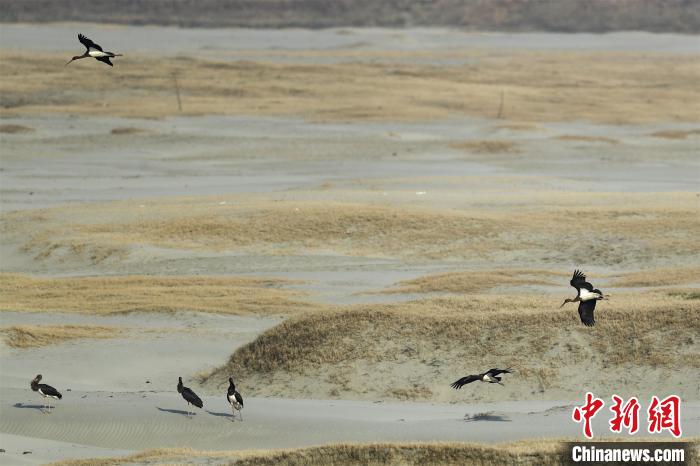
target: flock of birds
<point>586,296</point>
<point>234,399</point>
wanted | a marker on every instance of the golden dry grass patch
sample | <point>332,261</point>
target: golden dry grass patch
<point>620,228</point>
<point>108,295</point>
<point>676,134</point>
<point>409,453</point>
<point>659,277</point>
<point>34,336</point>
<point>476,281</point>
<point>580,138</point>
<point>487,146</point>
<point>549,86</point>
<point>127,130</point>
<point>15,129</point>
<point>434,337</point>
<point>545,451</point>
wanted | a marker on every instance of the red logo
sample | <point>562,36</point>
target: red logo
<point>588,412</point>
<point>665,415</point>
<point>661,415</point>
<point>626,416</point>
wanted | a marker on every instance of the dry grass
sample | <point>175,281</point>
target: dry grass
<point>487,147</point>
<point>15,129</point>
<point>476,281</point>
<point>671,134</point>
<point>548,86</point>
<point>440,337</point>
<point>34,336</point>
<point>649,227</point>
<point>523,452</point>
<point>127,130</point>
<point>107,295</point>
<point>660,277</point>
<point>573,137</point>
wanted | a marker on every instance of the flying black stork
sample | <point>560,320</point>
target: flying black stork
<point>46,391</point>
<point>586,297</point>
<point>234,399</point>
<point>189,396</point>
<point>95,51</point>
<point>490,376</point>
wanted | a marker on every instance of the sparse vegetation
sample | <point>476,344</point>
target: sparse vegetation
<point>552,86</point>
<point>15,129</point>
<point>677,134</point>
<point>127,130</point>
<point>523,452</point>
<point>475,281</point>
<point>651,227</point>
<point>660,277</point>
<point>487,147</point>
<point>108,295</point>
<point>579,138</point>
<point>434,337</point>
<point>33,336</point>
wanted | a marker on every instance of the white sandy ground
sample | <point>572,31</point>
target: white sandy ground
<point>108,408</point>
<point>72,159</point>
<point>135,421</point>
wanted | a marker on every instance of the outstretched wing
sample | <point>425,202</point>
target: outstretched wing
<point>463,381</point>
<point>578,281</point>
<point>494,372</point>
<point>585,310</point>
<point>104,60</point>
<point>88,43</point>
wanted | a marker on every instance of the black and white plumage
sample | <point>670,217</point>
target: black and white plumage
<point>189,396</point>
<point>46,391</point>
<point>92,50</point>
<point>234,399</point>
<point>586,297</point>
<point>490,376</point>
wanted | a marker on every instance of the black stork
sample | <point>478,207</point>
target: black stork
<point>94,51</point>
<point>46,391</point>
<point>586,297</point>
<point>234,399</point>
<point>189,396</point>
<point>490,376</point>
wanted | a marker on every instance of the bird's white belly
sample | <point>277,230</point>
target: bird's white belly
<point>487,378</point>
<point>587,295</point>
<point>47,396</point>
<point>97,54</point>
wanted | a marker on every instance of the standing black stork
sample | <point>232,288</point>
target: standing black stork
<point>490,376</point>
<point>189,396</point>
<point>95,51</point>
<point>46,391</point>
<point>234,399</point>
<point>586,296</point>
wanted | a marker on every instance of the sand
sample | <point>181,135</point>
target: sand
<point>321,211</point>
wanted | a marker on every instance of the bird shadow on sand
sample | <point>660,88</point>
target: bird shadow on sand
<point>488,416</point>
<point>175,411</point>
<point>219,414</point>
<point>21,405</point>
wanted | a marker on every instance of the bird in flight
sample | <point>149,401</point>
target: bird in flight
<point>586,297</point>
<point>490,376</point>
<point>94,51</point>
